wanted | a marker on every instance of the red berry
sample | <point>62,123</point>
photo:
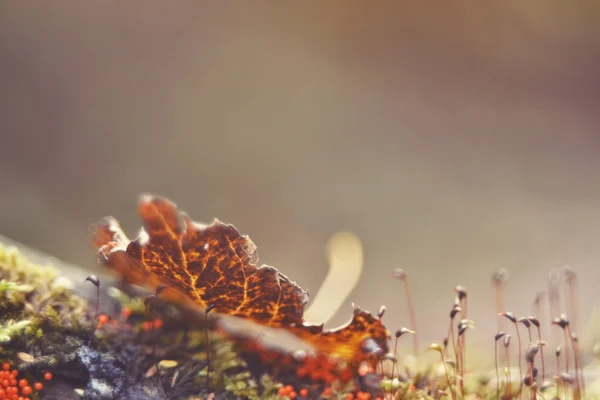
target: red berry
<point>126,312</point>
<point>27,390</point>
<point>6,366</point>
<point>38,386</point>
<point>48,376</point>
<point>23,383</point>
<point>102,319</point>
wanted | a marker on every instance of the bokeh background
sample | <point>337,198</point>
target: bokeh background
<point>454,138</point>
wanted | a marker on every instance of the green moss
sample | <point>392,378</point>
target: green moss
<point>34,300</point>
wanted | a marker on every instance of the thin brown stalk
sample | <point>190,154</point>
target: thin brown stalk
<point>520,367</point>
<point>563,323</point>
<point>455,354</point>
<point>573,306</point>
<point>508,388</point>
<point>532,351</point>
<point>554,283</point>
<point>461,293</point>
<point>557,356</point>
<point>458,370</point>
<point>399,273</point>
<point>395,355</point>
<point>455,310</point>
<point>447,376</point>
<point>512,319</point>
<point>533,387</point>
<point>498,336</point>
<point>537,324</point>
<point>499,279</point>
<point>413,318</point>
<point>462,328</point>
<point>573,340</point>
<point>438,348</point>
<point>96,282</point>
<point>578,362</point>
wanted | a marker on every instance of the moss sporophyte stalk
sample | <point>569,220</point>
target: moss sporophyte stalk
<point>104,339</point>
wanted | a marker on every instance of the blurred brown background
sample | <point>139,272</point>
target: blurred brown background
<point>454,139</point>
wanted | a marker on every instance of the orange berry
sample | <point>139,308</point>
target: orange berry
<point>349,396</point>
<point>292,395</point>
<point>303,392</point>
<point>5,383</point>
<point>158,323</point>
<point>281,392</point>
<point>126,312</point>
<point>6,366</point>
<point>14,397</point>
<point>38,386</point>
<point>13,382</point>
<point>27,390</point>
<point>14,373</point>
<point>48,376</point>
<point>102,319</point>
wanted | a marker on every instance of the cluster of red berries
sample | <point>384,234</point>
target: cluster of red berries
<point>361,396</point>
<point>126,312</point>
<point>289,392</point>
<point>10,386</point>
<point>155,324</point>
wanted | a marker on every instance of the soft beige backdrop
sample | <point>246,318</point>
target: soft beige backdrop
<point>454,139</point>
